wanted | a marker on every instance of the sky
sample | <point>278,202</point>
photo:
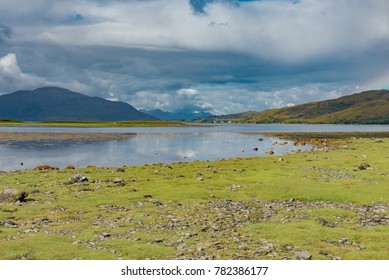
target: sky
<point>219,56</point>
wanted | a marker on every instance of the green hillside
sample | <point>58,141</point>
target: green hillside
<point>364,108</point>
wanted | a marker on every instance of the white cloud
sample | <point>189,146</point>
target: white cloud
<point>187,92</point>
<point>12,78</point>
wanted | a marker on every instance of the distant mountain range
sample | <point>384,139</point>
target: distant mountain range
<point>169,116</point>
<point>369,107</point>
<point>58,104</point>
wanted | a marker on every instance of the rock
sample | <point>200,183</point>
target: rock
<point>78,179</point>
<point>8,223</point>
<point>70,167</point>
<point>344,241</point>
<point>303,255</point>
<point>158,203</point>
<point>198,174</point>
<point>120,169</point>
<point>159,240</point>
<point>200,179</point>
<point>118,180</point>
<point>379,141</point>
<point>264,250</point>
<point>105,235</point>
<point>323,222</point>
<point>363,166</point>
<point>13,195</point>
<point>22,196</point>
<point>148,196</point>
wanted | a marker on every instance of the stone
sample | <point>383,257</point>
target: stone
<point>9,223</point>
<point>158,203</point>
<point>363,166</point>
<point>79,178</point>
<point>120,169</point>
<point>118,180</point>
<point>13,195</point>
<point>303,255</point>
<point>323,222</point>
<point>105,235</point>
<point>159,240</point>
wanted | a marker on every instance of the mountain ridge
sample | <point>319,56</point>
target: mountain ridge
<point>367,107</point>
<point>174,116</point>
<point>59,104</point>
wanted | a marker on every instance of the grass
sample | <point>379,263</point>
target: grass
<point>229,209</point>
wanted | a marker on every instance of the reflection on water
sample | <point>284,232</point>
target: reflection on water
<point>152,145</point>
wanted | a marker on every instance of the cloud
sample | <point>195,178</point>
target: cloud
<point>12,78</point>
<point>227,56</point>
<point>187,91</point>
<point>5,32</point>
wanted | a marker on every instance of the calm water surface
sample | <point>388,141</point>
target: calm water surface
<point>159,144</point>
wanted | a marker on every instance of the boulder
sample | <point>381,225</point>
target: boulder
<point>78,179</point>
<point>303,255</point>
<point>13,195</point>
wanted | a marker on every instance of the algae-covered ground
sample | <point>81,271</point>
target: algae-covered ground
<point>331,204</point>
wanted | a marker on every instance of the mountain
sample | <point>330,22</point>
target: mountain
<point>162,115</point>
<point>231,118</point>
<point>368,107</point>
<point>58,104</point>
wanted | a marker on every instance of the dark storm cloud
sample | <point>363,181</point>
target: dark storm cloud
<point>5,32</point>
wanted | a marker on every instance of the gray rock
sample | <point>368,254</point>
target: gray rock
<point>8,223</point>
<point>118,180</point>
<point>13,195</point>
<point>79,178</point>
<point>303,255</point>
<point>105,235</point>
<point>159,240</point>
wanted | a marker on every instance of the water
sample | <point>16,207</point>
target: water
<point>159,144</point>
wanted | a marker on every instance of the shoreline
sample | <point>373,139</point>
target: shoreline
<point>322,205</point>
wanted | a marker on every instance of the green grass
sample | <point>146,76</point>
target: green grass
<point>167,213</point>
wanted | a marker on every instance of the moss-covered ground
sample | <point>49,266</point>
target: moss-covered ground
<point>318,205</point>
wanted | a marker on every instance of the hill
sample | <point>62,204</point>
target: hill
<point>365,108</point>
<point>163,115</point>
<point>58,104</point>
<point>368,107</point>
<point>230,118</point>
